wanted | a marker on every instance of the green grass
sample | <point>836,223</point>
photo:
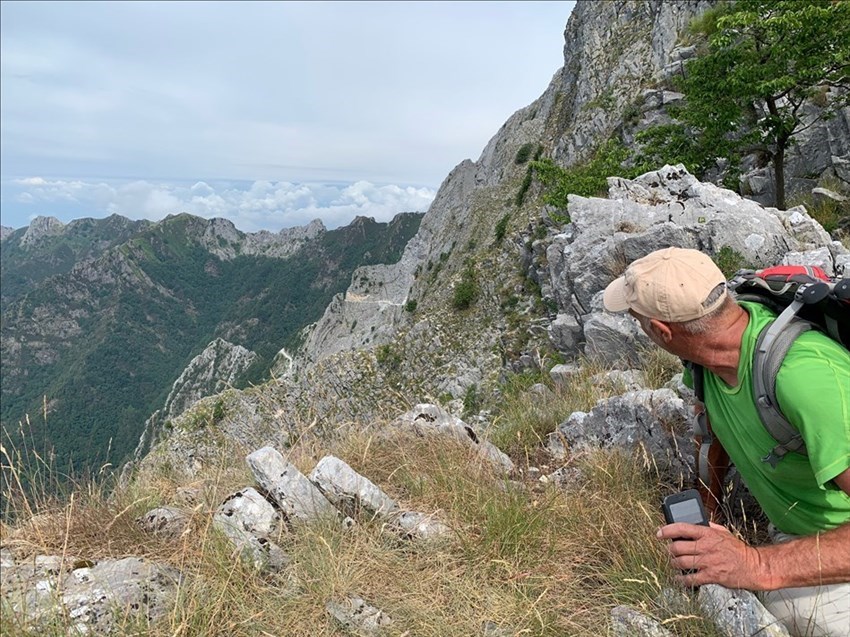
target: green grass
<point>730,261</point>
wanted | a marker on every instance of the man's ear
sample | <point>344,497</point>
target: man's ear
<point>661,329</point>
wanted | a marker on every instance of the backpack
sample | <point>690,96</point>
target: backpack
<point>804,298</point>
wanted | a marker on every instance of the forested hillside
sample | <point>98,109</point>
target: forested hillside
<point>44,249</point>
<point>90,352</point>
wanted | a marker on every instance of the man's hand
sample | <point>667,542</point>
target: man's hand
<point>716,556</point>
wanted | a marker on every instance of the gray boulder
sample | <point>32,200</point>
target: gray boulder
<point>821,257</point>
<point>348,490</point>
<point>419,526</point>
<point>622,381</point>
<point>828,196</point>
<point>565,333</point>
<point>563,373</point>
<point>94,598</point>
<point>359,617</point>
<point>497,458</point>
<point>248,520</point>
<point>841,168</point>
<point>627,622</point>
<point>298,498</point>
<point>30,586</point>
<point>662,208</point>
<point>427,419</point>
<point>614,339</point>
<point>738,612</point>
<point>654,421</point>
<point>251,512</point>
<point>167,522</point>
<point>134,585</point>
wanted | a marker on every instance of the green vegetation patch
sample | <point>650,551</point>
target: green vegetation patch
<point>588,179</point>
<point>136,339</point>
<point>730,261</point>
<point>467,290</point>
<point>502,227</point>
<point>759,62</point>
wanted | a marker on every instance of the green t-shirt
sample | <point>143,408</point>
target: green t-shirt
<point>813,391</point>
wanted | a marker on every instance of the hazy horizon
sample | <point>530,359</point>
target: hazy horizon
<point>266,114</point>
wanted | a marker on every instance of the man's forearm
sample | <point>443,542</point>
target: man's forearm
<point>807,561</point>
<point>714,556</point>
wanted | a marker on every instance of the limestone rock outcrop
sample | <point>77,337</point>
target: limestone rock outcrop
<point>738,612</point>
<point>667,207</point>
<point>91,598</point>
<point>41,227</point>
<point>209,373</point>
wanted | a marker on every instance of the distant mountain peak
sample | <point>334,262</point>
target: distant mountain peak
<point>42,227</point>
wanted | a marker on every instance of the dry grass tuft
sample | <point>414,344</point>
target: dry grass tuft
<point>525,420</point>
<point>659,366</point>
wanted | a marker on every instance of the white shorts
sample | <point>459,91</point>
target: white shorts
<point>811,611</point>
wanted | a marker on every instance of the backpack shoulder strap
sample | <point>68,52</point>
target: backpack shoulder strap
<point>698,377</point>
<point>771,347</point>
<point>701,428</point>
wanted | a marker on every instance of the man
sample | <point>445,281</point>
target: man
<point>679,298</point>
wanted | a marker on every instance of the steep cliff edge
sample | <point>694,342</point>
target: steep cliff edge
<point>397,336</point>
<point>612,51</point>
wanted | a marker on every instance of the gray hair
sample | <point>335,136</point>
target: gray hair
<point>703,323</point>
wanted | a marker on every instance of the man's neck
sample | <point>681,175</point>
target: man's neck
<point>720,351</point>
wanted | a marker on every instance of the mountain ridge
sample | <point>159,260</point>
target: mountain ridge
<point>105,339</point>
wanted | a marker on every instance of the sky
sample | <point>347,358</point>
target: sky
<point>269,114</point>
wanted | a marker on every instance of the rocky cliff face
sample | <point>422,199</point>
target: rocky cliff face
<point>219,367</point>
<point>222,239</point>
<point>210,372</point>
<point>49,248</point>
<point>668,207</point>
<point>612,50</point>
<point>617,56</point>
<point>821,150</point>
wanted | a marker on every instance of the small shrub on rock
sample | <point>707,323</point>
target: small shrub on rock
<point>730,261</point>
<point>524,153</point>
<point>466,292</point>
<point>502,228</point>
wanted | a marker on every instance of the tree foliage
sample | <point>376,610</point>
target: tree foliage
<point>588,179</point>
<point>761,62</point>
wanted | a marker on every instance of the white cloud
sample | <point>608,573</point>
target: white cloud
<point>31,181</point>
<point>255,206</point>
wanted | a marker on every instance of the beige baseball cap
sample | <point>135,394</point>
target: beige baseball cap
<point>670,285</point>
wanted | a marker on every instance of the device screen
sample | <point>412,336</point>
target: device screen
<point>686,511</point>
